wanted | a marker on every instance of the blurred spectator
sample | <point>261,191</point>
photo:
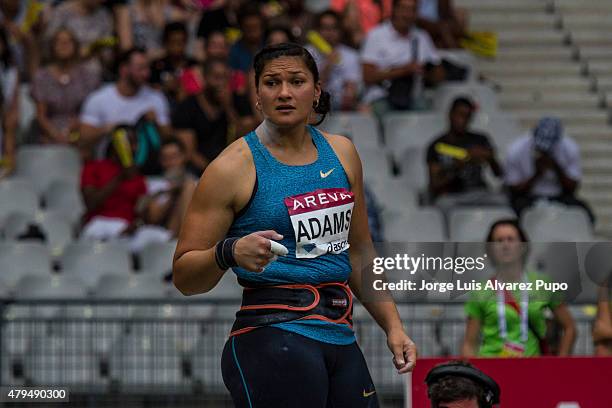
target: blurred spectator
<point>397,57</point>
<point>513,323</point>
<point>361,16</point>
<point>87,19</point>
<point>602,329</point>
<point>216,46</point>
<point>9,106</point>
<point>208,121</point>
<point>147,21</point>
<point>293,15</point>
<point>60,88</point>
<point>278,34</point>
<point>444,23</point>
<point>222,16</point>
<point>374,221</point>
<point>166,72</point>
<point>113,195</point>
<point>252,26</point>
<point>167,206</point>
<point>122,24</point>
<point>456,161</point>
<point>544,164</point>
<point>23,24</point>
<point>126,101</point>
<point>341,70</point>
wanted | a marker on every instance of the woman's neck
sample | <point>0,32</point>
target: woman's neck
<point>289,138</point>
<point>63,65</point>
<point>511,272</point>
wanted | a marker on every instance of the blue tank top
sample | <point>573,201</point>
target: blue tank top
<point>267,210</point>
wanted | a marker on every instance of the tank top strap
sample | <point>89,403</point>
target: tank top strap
<point>326,153</point>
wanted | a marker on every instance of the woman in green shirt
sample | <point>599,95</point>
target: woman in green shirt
<point>602,329</point>
<point>512,323</point>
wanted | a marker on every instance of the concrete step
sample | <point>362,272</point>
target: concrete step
<point>586,19</point>
<point>518,21</point>
<point>589,149</point>
<point>514,6</point>
<point>533,54</point>
<point>597,198</point>
<point>597,166</point>
<point>529,117</point>
<point>530,38</point>
<point>589,132</point>
<point>540,100</point>
<point>604,82</point>
<point>597,68</point>
<point>582,6</point>
<point>495,69</point>
<point>596,182</point>
<point>591,37</point>
<point>595,53</point>
<point>559,83</point>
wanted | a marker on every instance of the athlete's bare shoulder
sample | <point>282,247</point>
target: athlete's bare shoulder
<point>346,152</point>
<point>231,175</point>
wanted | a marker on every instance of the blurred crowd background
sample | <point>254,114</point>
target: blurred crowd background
<point>464,112</point>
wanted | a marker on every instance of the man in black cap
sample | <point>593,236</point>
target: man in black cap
<point>458,384</point>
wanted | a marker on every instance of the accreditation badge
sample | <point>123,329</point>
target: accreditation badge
<point>512,350</point>
<point>321,221</point>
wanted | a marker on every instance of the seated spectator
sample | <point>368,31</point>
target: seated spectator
<point>220,17</point>
<point>23,26</point>
<point>397,58</point>
<point>252,26</point>
<point>293,15</point>
<point>513,333</point>
<point>166,72</point>
<point>340,71</point>
<point>602,329</point>
<point>361,16</point>
<point>167,206</point>
<point>147,21</point>
<point>9,106</point>
<point>444,23</point>
<point>278,34</point>
<point>216,46</point>
<point>544,165</point>
<point>458,384</point>
<point>204,122</point>
<point>126,101</point>
<point>456,161</point>
<point>60,88</point>
<point>113,196</point>
<point>87,19</point>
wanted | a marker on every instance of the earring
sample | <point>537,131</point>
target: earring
<point>315,104</point>
<point>257,105</point>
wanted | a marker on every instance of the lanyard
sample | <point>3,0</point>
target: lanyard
<point>523,312</point>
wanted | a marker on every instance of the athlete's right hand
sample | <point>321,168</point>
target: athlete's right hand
<point>252,252</point>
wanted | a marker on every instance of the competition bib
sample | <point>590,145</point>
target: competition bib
<point>321,221</point>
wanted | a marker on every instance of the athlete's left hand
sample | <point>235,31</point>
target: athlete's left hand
<point>403,349</point>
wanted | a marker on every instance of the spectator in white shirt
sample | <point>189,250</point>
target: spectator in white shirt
<point>397,58</point>
<point>340,70</point>
<point>123,102</point>
<point>544,164</point>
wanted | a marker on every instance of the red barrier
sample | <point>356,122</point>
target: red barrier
<point>535,382</point>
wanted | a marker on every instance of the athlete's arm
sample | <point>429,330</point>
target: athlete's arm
<point>470,341</point>
<point>564,317</point>
<point>224,189</point>
<point>362,253</point>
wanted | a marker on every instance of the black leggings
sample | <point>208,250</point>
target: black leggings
<point>273,368</point>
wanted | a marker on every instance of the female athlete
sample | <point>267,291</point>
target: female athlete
<point>292,344</point>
